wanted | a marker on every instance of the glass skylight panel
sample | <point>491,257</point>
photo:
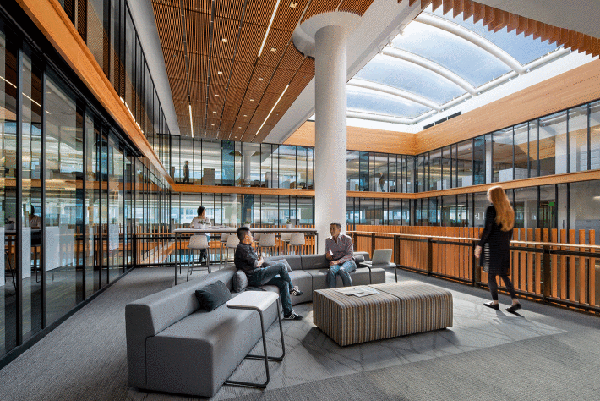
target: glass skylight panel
<point>368,101</point>
<point>410,77</point>
<point>523,49</point>
<point>458,55</point>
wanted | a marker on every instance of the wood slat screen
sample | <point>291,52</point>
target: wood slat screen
<point>573,278</point>
<point>228,84</point>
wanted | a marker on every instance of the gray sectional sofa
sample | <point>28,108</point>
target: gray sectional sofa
<point>174,347</point>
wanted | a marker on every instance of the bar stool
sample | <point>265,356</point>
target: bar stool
<point>285,238</point>
<point>232,243</point>
<point>198,242</point>
<point>224,237</point>
<point>297,241</point>
<point>267,240</point>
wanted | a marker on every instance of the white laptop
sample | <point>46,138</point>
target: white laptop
<point>380,257</point>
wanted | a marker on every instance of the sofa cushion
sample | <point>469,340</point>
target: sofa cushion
<point>240,281</point>
<point>152,314</point>
<point>359,277</point>
<point>212,295</point>
<point>314,262</point>
<point>197,354</point>
<point>365,255</point>
<point>279,261</point>
<point>294,261</point>
<point>377,275</point>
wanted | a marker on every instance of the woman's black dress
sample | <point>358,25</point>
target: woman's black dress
<point>498,254</point>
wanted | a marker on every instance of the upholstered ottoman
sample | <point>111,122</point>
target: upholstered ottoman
<point>399,309</point>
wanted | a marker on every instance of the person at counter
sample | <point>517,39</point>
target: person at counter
<point>259,274</point>
<point>201,221</point>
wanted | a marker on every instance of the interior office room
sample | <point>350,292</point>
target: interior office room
<point>138,136</point>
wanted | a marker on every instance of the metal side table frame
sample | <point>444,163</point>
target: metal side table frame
<point>258,301</point>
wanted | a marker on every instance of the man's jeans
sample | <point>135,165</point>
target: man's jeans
<point>267,275</point>
<point>344,271</point>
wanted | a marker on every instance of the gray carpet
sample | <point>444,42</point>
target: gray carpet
<point>85,358</point>
<point>548,353</point>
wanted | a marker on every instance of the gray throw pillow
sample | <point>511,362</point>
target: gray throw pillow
<point>240,281</point>
<point>213,295</point>
<point>359,258</point>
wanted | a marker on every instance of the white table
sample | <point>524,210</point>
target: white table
<point>258,301</point>
<point>229,230</point>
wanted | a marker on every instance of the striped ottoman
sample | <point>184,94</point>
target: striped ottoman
<point>399,309</point>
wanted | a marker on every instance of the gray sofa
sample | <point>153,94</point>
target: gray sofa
<point>174,347</point>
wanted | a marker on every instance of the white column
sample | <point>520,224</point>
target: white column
<point>330,130</point>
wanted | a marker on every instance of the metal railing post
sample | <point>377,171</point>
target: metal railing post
<point>372,244</point>
<point>475,271</point>
<point>429,257</point>
<point>546,273</point>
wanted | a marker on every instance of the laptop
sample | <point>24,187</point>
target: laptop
<point>380,257</point>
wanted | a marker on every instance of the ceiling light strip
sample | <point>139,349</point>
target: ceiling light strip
<point>276,103</point>
<point>268,28</point>
<point>191,120</point>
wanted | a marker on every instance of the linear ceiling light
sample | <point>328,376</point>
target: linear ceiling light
<point>268,28</point>
<point>275,105</point>
<point>191,120</point>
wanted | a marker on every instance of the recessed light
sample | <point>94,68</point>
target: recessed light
<point>260,79</point>
<point>273,49</point>
<point>214,112</point>
<point>251,100</point>
<point>245,115</point>
<point>224,40</point>
<point>219,72</point>
<point>216,95</point>
<point>239,127</point>
<point>293,5</point>
<point>212,124</point>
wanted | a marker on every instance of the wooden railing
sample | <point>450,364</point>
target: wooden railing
<point>542,267</point>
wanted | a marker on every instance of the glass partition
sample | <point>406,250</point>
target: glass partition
<point>503,155</point>
<point>553,144</point>
<point>578,138</point>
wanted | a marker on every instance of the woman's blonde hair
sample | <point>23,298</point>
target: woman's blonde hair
<point>505,215</point>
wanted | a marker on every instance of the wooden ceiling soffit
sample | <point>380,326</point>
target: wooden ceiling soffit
<point>364,139</point>
<point>495,19</point>
<point>249,86</point>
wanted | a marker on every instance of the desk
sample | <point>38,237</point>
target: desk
<point>179,232</point>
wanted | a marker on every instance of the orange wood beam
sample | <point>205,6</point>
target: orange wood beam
<point>217,189</point>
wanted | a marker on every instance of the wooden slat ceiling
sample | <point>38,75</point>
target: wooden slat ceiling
<point>495,19</point>
<point>231,89</point>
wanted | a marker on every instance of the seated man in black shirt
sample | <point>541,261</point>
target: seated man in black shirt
<point>258,274</point>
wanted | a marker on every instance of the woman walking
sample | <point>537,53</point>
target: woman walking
<point>497,233</point>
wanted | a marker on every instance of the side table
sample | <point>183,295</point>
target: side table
<point>258,301</point>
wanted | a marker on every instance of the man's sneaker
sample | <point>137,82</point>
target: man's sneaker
<point>296,291</point>
<point>293,316</point>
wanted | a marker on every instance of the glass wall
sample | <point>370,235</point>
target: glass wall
<point>67,191</point>
<point>236,209</point>
<point>108,30</point>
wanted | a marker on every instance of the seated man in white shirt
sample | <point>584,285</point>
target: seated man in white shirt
<point>338,250</point>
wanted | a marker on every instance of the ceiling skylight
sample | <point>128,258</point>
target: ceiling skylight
<point>439,61</point>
